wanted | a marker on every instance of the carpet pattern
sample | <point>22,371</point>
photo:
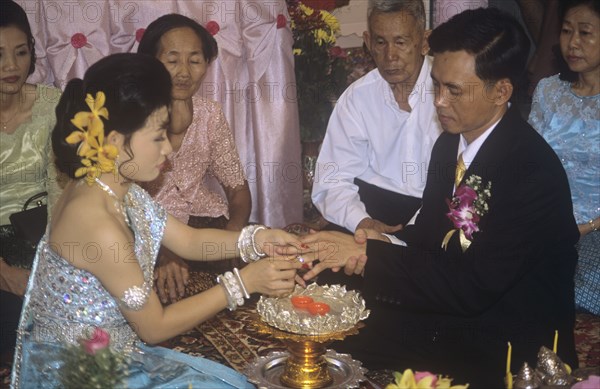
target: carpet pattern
<point>230,338</point>
<point>587,340</point>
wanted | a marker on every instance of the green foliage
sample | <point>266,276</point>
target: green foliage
<point>103,370</point>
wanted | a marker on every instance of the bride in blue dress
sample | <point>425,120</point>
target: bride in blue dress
<point>94,267</point>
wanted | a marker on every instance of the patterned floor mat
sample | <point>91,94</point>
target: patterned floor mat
<point>231,339</point>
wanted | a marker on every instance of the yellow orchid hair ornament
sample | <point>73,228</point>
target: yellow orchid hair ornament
<point>96,157</point>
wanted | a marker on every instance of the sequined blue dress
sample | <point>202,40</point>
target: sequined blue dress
<point>571,125</point>
<point>63,303</point>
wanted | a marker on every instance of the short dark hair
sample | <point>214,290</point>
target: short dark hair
<point>496,39</point>
<point>566,5</point>
<point>159,27</point>
<point>13,15</point>
<point>135,85</point>
<point>566,74</point>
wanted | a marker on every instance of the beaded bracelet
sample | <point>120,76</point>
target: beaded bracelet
<point>247,244</point>
<point>591,223</point>
<point>231,304</point>
<point>235,287</point>
<point>235,290</point>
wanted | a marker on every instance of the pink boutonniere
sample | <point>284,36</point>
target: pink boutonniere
<point>466,208</point>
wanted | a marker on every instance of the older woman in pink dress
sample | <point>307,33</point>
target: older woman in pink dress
<point>203,146</point>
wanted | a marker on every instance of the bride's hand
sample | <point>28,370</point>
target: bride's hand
<point>270,276</point>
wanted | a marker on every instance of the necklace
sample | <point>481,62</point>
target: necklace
<point>5,124</point>
<point>118,202</point>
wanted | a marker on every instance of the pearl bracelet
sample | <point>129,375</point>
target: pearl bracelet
<point>231,304</point>
<point>234,287</point>
<point>591,223</point>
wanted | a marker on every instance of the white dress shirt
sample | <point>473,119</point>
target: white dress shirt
<point>369,137</point>
<point>469,150</point>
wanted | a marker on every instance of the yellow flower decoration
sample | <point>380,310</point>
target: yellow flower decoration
<point>321,36</point>
<point>331,21</point>
<point>91,120</point>
<point>97,157</point>
<point>307,10</point>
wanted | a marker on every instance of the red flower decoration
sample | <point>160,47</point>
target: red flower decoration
<point>78,40</point>
<point>327,5</point>
<point>337,52</point>
<point>99,341</point>
<point>212,27</point>
<point>139,34</point>
<point>281,21</point>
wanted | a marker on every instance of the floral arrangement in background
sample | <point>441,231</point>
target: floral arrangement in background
<point>320,66</point>
<point>422,380</point>
<point>92,364</point>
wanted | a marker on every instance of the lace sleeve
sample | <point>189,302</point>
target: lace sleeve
<point>536,116</point>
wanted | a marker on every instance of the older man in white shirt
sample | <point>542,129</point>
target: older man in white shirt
<point>374,158</point>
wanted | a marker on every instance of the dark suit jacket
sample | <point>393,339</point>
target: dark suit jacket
<point>454,312</point>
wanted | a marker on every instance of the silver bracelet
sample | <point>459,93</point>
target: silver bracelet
<point>236,291</point>
<point>239,277</point>
<point>231,304</point>
<point>246,244</point>
<point>259,252</point>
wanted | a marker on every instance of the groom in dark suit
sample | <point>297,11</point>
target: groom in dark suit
<point>491,256</point>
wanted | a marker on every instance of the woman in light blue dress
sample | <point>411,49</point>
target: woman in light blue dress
<point>566,111</point>
<point>94,267</point>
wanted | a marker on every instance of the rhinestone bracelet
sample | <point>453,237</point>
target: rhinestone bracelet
<point>256,249</point>
<point>136,297</point>
<point>247,245</point>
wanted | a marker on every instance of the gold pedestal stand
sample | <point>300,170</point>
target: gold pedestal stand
<point>306,366</point>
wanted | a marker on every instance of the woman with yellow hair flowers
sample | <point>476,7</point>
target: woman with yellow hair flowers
<point>94,267</point>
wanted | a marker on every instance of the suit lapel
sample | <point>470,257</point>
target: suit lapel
<point>490,158</point>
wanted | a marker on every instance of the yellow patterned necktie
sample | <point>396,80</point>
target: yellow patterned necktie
<point>460,171</point>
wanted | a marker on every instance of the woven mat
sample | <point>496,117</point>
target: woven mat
<point>230,338</point>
